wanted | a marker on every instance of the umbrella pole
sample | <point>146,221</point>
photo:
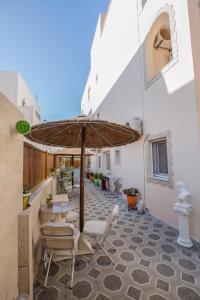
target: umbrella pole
<point>82,175</point>
<point>73,171</point>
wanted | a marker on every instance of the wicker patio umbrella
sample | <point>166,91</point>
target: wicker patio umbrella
<point>73,152</point>
<point>82,132</point>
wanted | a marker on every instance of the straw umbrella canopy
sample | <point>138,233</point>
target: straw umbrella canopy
<point>73,152</point>
<point>82,132</point>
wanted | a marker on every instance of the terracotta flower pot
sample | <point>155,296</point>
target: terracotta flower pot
<point>92,178</point>
<point>103,184</point>
<point>132,200</point>
<point>26,198</point>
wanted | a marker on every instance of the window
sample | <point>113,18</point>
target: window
<point>160,159</point>
<point>117,157</point>
<point>107,155</point>
<point>88,162</point>
<point>99,159</point>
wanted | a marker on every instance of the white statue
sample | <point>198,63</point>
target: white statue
<point>184,194</point>
<point>183,208</point>
<point>140,206</point>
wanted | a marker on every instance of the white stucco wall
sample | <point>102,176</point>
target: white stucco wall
<point>166,105</point>
<point>16,90</point>
<point>11,182</point>
<point>170,104</point>
<point>112,51</point>
<point>9,85</point>
<point>194,12</point>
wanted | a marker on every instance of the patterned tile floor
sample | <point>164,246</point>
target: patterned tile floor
<point>149,264</point>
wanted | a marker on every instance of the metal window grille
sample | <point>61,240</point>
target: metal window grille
<point>117,157</point>
<point>159,158</point>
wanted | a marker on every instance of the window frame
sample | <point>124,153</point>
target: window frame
<point>107,153</point>
<point>155,160</point>
<point>150,178</point>
<point>99,160</point>
<point>117,160</point>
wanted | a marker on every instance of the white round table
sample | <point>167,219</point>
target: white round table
<point>58,212</point>
<point>60,198</point>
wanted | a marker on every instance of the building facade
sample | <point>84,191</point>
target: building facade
<point>15,88</point>
<point>145,73</point>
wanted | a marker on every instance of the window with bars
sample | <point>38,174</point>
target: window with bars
<point>99,160</point>
<point>117,157</point>
<point>107,155</point>
<point>160,159</point>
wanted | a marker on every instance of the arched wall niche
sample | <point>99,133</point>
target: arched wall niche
<point>160,46</point>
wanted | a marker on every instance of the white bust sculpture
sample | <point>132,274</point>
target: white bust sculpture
<point>184,193</point>
<point>183,208</point>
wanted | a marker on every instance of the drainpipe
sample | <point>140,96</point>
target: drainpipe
<point>144,171</point>
<point>142,98</point>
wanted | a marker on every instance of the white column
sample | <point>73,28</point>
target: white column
<point>183,208</point>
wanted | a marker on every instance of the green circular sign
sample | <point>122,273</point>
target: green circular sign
<point>23,127</point>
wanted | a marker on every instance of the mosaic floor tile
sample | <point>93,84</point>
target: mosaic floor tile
<point>134,293</point>
<point>140,276</point>
<point>165,270</point>
<point>186,293</point>
<point>163,285</point>
<point>82,289</point>
<point>112,282</point>
<point>121,268</point>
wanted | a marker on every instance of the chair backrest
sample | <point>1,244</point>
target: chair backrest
<point>67,183</point>
<point>111,219</point>
<point>76,176</point>
<point>58,236</point>
<point>117,185</point>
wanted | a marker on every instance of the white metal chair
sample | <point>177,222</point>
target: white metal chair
<point>99,230</point>
<point>60,241</point>
<point>117,186</point>
<point>72,191</point>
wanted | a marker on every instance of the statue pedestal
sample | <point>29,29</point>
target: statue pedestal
<point>183,209</point>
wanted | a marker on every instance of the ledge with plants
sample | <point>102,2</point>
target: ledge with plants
<point>49,200</point>
<point>26,195</point>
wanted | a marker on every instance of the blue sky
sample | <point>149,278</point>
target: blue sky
<point>48,42</point>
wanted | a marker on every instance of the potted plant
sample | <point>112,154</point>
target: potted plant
<point>52,172</point>
<point>49,200</point>
<point>104,180</point>
<point>132,197</point>
<point>62,173</point>
<point>96,179</point>
<point>88,175</point>
<point>91,176</point>
<point>26,195</point>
